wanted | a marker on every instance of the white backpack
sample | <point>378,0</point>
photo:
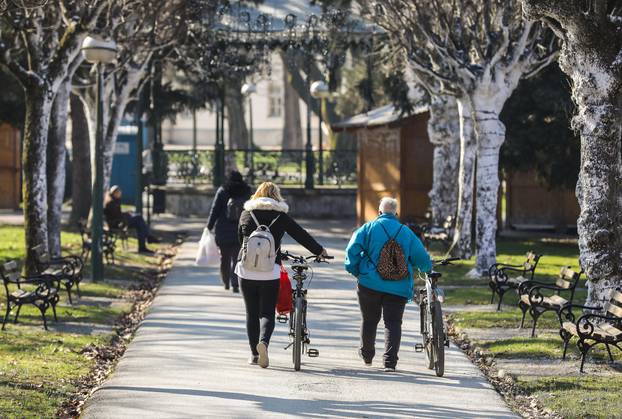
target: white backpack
<point>259,254</point>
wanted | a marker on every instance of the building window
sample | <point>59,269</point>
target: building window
<point>275,101</point>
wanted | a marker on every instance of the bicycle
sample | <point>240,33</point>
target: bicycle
<point>431,317</point>
<point>298,331</point>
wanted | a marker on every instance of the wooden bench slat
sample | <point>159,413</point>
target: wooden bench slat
<point>562,283</point>
<point>617,296</point>
<point>613,309</point>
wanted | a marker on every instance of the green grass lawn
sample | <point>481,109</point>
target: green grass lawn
<point>39,369</point>
<point>591,395</point>
<point>556,254</point>
<point>585,396</point>
<point>508,318</point>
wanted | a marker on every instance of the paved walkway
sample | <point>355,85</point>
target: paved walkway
<point>188,359</point>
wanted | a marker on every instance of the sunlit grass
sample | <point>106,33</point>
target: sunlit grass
<point>584,396</point>
<point>38,368</point>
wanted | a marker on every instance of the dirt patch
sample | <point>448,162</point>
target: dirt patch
<point>470,307</point>
<point>498,333</point>
<point>534,368</point>
<point>524,405</point>
<point>141,296</point>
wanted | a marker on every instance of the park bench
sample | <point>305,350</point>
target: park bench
<point>603,325</point>
<point>440,233</point>
<point>504,277</point>
<point>429,233</point>
<point>108,244</point>
<point>539,297</point>
<point>43,296</point>
<point>120,231</point>
<point>67,271</point>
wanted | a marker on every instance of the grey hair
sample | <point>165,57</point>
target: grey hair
<point>388,206</point>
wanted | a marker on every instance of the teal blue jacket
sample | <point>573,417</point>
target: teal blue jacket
<point>368,241</point>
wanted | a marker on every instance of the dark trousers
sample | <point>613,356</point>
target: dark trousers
<point>228,259</point>
<point>373,305</point>
<point>260,298</point>
<point>138,223</point>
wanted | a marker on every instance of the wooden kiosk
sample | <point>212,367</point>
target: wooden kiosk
<point>395,159</point>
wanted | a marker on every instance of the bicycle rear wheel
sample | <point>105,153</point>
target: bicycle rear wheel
<point>427,338</point>
<point>438,339</point>
<point>298,317</point>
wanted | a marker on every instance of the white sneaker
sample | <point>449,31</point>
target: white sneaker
<point>264,361</point>
<point>253,360</point>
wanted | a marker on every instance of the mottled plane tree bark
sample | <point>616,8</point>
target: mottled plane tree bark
<point>81,162</point>
<point>38,44</point>
<point>444,134</point>
<point>477,51</point>
<point>139,40</point>
<point>56,165</point>
<point>591,55</point>
<point>236,116</point>
<point>292,128</point>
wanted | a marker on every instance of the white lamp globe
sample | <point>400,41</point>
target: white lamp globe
<point>248,89</point>
<point>319,90</point>
<point>96,50</point>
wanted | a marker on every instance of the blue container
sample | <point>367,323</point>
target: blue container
<point>124,171</point>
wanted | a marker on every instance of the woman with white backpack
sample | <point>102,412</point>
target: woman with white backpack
<point>262,225</point>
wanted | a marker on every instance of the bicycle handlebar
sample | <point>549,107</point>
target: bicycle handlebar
<point>286,255</point>
<point>444,262</point>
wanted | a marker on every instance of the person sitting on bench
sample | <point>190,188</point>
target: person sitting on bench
<point>116,218</point>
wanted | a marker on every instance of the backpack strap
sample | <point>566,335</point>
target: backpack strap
<point>366,250</point>
<point>387,233</point>
<point>398,231</point>
<point>254,218</point>
<point>257,221</point>
<point>274,221</point>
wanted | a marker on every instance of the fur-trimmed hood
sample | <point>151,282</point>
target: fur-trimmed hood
<point>266,204</point>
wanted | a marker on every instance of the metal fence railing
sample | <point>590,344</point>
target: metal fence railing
<point>336,168</point>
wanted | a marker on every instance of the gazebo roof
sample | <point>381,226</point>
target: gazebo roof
<point>276,12</point>
<point>376,117</point>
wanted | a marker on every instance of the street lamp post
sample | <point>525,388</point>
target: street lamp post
<point>310,163</point>
<point>247,90</point>
<point>320,91</point>
<point>98,51</point>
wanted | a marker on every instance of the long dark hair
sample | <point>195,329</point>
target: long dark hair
<point>235,184</point>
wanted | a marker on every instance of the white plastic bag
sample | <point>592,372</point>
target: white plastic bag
<point>208,253</point>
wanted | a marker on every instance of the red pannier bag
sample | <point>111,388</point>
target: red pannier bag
<point>284,304</point>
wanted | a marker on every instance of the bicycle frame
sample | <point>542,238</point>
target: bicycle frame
<point>300,292</point>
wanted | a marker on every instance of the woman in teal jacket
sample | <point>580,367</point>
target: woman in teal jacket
<point>378,296</point>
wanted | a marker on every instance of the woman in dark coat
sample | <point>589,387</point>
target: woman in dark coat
<point>223,221</point>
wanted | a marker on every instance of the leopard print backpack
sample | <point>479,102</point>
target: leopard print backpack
<point>392,264</point>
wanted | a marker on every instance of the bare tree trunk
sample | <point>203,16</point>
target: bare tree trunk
<point>81,162</point>
<point>38,109</point>
<point>461,246</point>
<point>444,134</point>
<point>598,95</point>
<point>591,55</point>
<point>292,129</point>
<point>234,102</point>
<point>490,137</point>
<point>56,153</point>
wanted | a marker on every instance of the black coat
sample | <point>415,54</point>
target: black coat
<point>115,217</point>
<point>225,229</point>
<point>284,224</point>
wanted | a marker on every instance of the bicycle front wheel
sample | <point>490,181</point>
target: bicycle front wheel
<point>426,335</point>
<point>298,317</point>
<point>438,339</point>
